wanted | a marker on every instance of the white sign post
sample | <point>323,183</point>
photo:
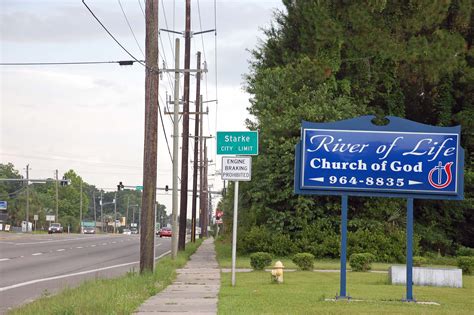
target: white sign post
<point>236,169</point>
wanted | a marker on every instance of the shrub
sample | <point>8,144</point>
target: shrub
<point>260,260</point>
<point>282,245</point>
<point>258,239</point>
<point>419,261</point>
<point>361,261</point>
<point>466,263</point>
<point>465,251</point>
<point>304,261</point>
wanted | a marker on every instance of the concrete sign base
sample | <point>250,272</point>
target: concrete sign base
<point>437,277</point>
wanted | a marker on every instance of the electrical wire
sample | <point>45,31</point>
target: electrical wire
<point>110,34</point>
<point>122,62</point>
<point>130,27</point>
<point>202,41</point>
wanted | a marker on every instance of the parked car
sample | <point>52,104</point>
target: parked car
<point>55,228</point>
<point>88,230</point>
<point>165,232</point>
<point>134,230</point>
<point>126,232</point>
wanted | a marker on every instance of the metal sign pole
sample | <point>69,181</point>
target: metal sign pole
<point>409,283</point>
<point>342,292</point>
<point>234,230</point>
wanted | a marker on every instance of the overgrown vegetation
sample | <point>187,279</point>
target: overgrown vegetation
<point>324,61</point>
<point>122,295</point>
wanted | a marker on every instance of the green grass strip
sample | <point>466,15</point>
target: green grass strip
<point>121,295</point>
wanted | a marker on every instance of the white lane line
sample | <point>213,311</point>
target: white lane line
<point>114,242</point>
<point>60,250</point>
<point>36,254</point>
<point>79,247</point>
<point>18,285</point>
<point>103,244</point>
<point>93,245</point>
<point>54,241</point>
<point>4,259</point>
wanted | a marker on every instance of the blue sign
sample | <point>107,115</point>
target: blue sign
<point>401,159</point>
<point>3,205</point>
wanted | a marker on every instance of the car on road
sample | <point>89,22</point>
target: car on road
<point>88,230</point>
<point>55,228</point>
<point>165,232</point>
<point>134,230</point>
<point>127,232</point>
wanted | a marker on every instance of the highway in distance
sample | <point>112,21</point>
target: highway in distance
<point>36,265</point>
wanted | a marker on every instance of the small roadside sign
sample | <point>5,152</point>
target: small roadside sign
<point>237,142</point>
<point>139,188</point>
<point>35,217</point>
<point>3,205</point>
<point>237,168</point>
<point>50,217</point>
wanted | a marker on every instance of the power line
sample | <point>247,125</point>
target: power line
<point>120,62</point>
<point>130,27</point>
<point>110,34</point>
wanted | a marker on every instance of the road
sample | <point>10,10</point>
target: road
<point>35,265</point>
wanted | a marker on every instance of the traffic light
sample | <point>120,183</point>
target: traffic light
<point>120,186</point>
<point>166,188</point>
<point>64,181</point>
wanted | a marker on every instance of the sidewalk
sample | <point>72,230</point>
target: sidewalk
<point>195,289</point>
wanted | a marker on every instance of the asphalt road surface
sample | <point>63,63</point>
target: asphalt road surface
<point>35,265</point>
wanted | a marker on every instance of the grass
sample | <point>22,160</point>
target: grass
<point>121,295</point>
<point>304,292</point>
<point>224,257</point>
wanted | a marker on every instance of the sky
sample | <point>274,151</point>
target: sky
<point>90,118</point>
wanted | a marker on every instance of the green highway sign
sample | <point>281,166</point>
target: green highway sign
<point>139,188</point>
<point>237,142</point>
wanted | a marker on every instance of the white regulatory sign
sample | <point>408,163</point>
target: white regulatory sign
<point>237,168</point>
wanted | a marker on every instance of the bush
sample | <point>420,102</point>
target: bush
<point>258,239</point>
<point>419,261</point>
<point>465,251</point>
<point>361,261</point>
<point>304,261</point>
<point>260,260</point>
<point>466,263</point>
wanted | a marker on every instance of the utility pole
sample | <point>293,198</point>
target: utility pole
<point>185,145</point>
<point>27,198</point>
<point>206,194</point>
<point>80,211</point>
<point>128,205</point>
<point>57,198</point>
<point>101,212</point>
<point>196,148</point>
<point>201,190</point>
<point>95,211</point>
<point>174,216</point>
<point>115,213</point>
<point>147,235</point>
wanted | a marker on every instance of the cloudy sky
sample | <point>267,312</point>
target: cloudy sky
<point>90,117</point>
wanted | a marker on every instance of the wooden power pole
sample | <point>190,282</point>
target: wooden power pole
<point>185,144</point>
<point>196,147</point>
<point>147,231</point>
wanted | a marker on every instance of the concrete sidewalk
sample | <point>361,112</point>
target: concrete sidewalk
<point>195,289</point>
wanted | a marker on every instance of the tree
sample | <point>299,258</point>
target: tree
<point>329,60</point>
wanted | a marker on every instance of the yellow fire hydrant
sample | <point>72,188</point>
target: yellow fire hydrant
<point>277,272</point>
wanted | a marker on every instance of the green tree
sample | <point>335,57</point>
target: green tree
<point>324,61</point>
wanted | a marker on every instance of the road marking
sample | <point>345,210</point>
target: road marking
<point>79,247</point>
<point>157,245</point>
<point>18,285</point>
<point>60,250</point>
<point>103,244</point>
<point>54,241</point>
<point>93,245</point>
<point>4,259</point>
<point>36,254</point>
<point>114,242</point>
